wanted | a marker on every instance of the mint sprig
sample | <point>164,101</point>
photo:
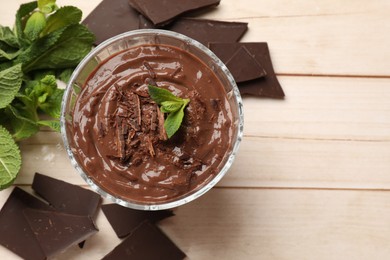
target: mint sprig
<point>171,105</point>
<point>46,44</point>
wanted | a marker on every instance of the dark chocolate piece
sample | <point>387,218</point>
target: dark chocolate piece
<point>162,12</point>
<point>146,242</point>
<point>15,232</point>
<point>244,66</point>
<point>125,220</point>
<point>144,23</point>
<point>66,197</point>
<point>267,86</point>
<point>57,231</point>
<point>206,31</point>
<point>111,17</point>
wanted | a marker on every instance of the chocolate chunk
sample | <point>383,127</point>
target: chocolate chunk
<point>267,86</point>
<point>244,66</point>
<point>206,31</point>
<point>144,23</point>
<point>66,197</point>
<point>111,17</point>
<point>15,232</point>
<point>57,231</point>
<point>162,12</point>
<point>146,242</point>
<point>125,220</point>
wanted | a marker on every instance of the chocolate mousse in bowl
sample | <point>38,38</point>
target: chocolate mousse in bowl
<point>119,136</point>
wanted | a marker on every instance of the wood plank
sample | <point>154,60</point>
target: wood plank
<point>323,108</point>
<point>261,162</point>
<point>270,162</point>
<point>319,37</point>
<point>267,224</point>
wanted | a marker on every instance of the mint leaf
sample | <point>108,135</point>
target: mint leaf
<point>53,124</point>
<point>64,16</point>
<point>64,75</point>
<point>60,49</point>
<point>170,106</point>
<point>10,82</point>
<point>23,122</point>
<point>160,95</point>
<point>10,159</point>
<point>47,6</point>
<point>35,24</point>
<point>23,11</point>
<point>52,105</point>
<point>8,37</point>
<point>173,121</point>
<point>8,55</point>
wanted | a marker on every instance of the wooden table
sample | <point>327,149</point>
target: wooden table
<point>312,178</point>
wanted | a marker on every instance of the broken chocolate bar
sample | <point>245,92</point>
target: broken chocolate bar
<point>66,197</point>
<point>111,17</point>
<point>267,86</point>
<point>15,232</point>
<point>206,31</point>
<point>162,12</point>
<point>146,242</point>
<point>125,220</point>
<point>244,66</point>
<point>57,231</point>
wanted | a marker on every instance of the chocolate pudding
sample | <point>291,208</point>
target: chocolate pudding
<point>119,136</point>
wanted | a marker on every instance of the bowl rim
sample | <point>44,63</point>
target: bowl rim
<point>186,197</point>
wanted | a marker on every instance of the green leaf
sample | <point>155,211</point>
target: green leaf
<point>21,16</point>
<point>47,6</point>
<point>9,55</point>
<point>173,121</point>
<point>170,106</point>
<point>52,106</point>
<point>63,48</point>
<point>10,159</point>
<point>55,125</point>
<point>160,95</point>
<point>63,17</point>
<point>7,36</point>
<point>10,82</point>
<point>35,24</point>
<point>65,75</point>
<point>23,122</point>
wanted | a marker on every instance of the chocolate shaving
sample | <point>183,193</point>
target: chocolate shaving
<point>150,146</point>
<point>150,81</point>
<point>150,69</point>
<point>153,119</point>
<point>138,109</point>
<point>120,140</point>
<point>162,133</point>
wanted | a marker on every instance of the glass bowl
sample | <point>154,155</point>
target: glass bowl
<point>129,40</point>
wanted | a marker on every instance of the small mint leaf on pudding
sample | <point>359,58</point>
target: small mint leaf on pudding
<point>171,105</point>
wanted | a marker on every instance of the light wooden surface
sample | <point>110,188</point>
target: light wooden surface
<point>312,178</point>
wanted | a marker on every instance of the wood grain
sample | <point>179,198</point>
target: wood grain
<point>311,179</point>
